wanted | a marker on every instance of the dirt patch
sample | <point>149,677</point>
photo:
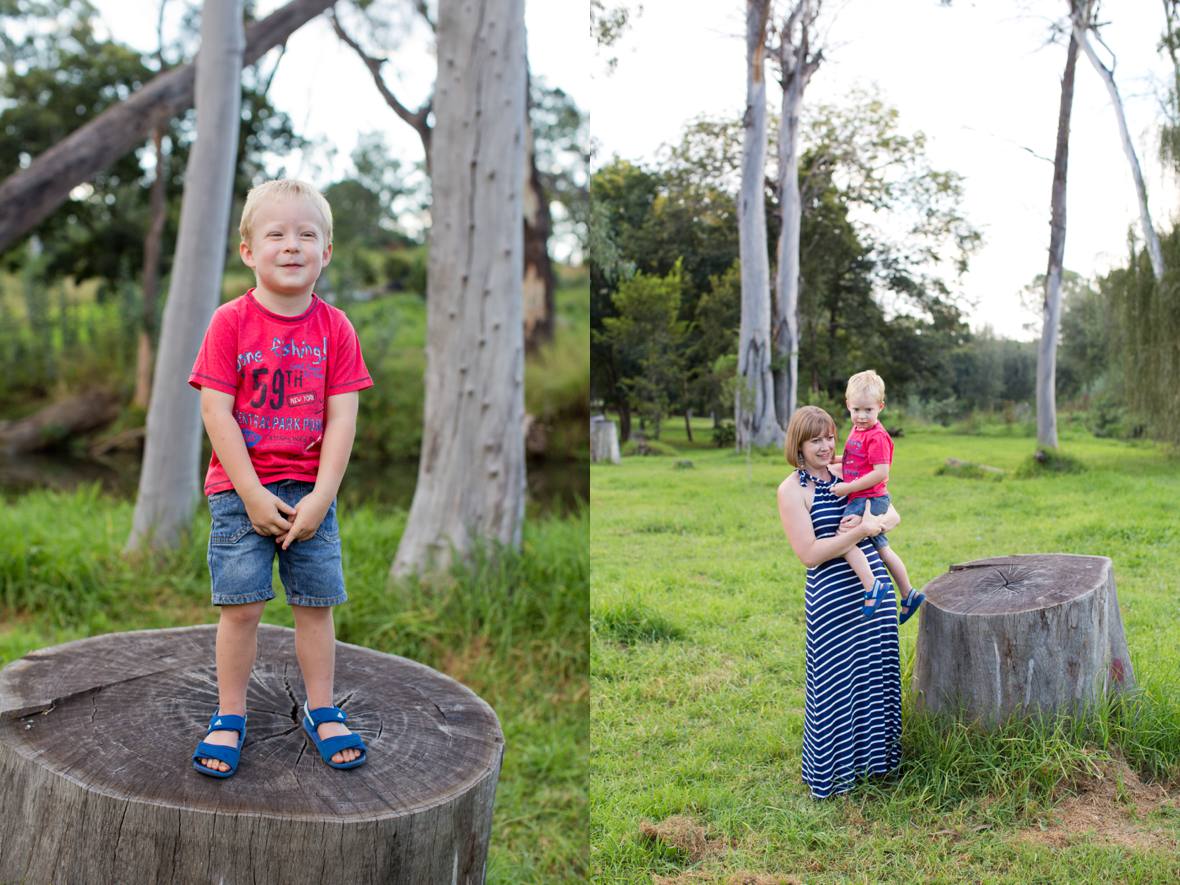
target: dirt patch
<point>1110,808</point>
<point>683,834</point>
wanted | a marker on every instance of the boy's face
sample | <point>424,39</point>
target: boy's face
<point>863,410</point>
<point>286,249</point>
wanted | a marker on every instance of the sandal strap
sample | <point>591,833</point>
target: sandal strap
<point>320,715</point>
<point>329,747</point>
<point>227,722</point>
<point>228,755</point>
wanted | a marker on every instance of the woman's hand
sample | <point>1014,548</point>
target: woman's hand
<point>870,525</point>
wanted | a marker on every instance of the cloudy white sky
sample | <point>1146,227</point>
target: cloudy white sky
<point>977,77</point>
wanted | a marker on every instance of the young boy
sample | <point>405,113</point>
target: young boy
<point>868,452</point>
<point>278,372</point>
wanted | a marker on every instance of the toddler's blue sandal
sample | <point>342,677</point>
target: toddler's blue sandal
<point>329,747</point>
<point>874,597</point>
<point>910,605</point>
<point>228,755</point>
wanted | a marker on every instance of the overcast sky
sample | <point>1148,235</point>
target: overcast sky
<point>976,77</point>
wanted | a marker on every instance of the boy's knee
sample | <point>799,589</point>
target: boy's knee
<point>249,613</point>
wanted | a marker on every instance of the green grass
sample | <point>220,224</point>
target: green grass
<point>513,629</point>
<point>697,670</point>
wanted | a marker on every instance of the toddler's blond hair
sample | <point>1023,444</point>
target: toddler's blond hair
<point>868,383</point>
<point>285,188</point>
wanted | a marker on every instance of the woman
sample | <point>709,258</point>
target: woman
<point>852,712</point>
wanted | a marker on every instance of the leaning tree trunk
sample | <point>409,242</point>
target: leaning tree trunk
<point>1051,311</point>
<point>538,284</point>
<point>98,786</point>
<point>754,414</point>
<point>798,63</point>
<point>30,195</point>
<point>168,481</point>
<point>151,275</point>
<point>1107,74</point>
<point>1020,635</point>
<point>471,475</point>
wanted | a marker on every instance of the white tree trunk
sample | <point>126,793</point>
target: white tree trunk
<point>798,63</point>
<point>1051,309</point>
<point>1107,74</point>
<point>471,475</point>
<point>169,480</point>
<point>754,405</point>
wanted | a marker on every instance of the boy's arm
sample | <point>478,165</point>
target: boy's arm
<point>264,509</point>
<point>879,473</point>
<point>336,449</point>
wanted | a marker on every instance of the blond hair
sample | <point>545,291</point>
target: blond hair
<point>289,189</point>
<point>807,423</point>
<point>868,383</point>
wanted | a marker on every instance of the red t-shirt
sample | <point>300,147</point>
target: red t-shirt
<point>862,450</point>
<point>280,371</point>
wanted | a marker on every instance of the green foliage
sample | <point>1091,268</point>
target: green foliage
<point>1047,462</point>
<point>628,624</point>
<point>512,627</point>
<point>725,435</point>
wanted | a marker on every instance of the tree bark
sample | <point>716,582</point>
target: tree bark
<point>96,738</point>
<point>29,196</point>
<point>471,475</point>
<point>754,406</point>
<point>1020,635</point>
<point>168,482</point>
<point>798,63</point>
<point>1051,309</point>
<point>1154,250</point>
<point>151,274</point>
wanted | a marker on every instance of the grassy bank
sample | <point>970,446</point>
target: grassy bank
<point>513,630</point>
<point>697,669</point>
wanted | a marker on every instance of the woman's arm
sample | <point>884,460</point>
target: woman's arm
<point>792,510</point>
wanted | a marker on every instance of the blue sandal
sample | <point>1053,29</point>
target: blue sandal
<point>329,747</point>
<point>874,597</point>
<point>911,602</point>
<point>228,755</point>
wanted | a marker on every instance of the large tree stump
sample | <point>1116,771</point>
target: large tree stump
<point>1017,635</point>
<point>97,783</point>
<point>604,440</point>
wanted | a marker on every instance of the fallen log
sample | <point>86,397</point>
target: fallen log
<point>59,421</point>
<point>1020,635</point>
<point>97,783</point>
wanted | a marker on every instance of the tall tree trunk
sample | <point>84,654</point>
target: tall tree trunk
<point>754,413</point>
<point>1051,312</point>
<point>1107,74</point>
<point>471,475</point>
<point>32,194</point>
<point>539,284</point>
<point>168,482</point>
<point>151,273</point>
<point>798,63</point>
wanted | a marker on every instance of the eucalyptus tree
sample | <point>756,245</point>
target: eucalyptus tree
<point>754,415</point>
<point>168,485</point>
<point>471,473</point>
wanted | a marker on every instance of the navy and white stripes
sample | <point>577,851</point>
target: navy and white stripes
<point>852,713</point>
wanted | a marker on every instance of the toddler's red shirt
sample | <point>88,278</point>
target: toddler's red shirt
<point>862,450</point>
<point>280,371</point>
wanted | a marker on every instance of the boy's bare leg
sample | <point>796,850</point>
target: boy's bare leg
<point>860,564</point>
<point>315,647</point>
<point>237,645</point>
<point>896,568</point>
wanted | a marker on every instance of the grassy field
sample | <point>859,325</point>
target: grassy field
<point>697,669</point>
<point>514,631</point>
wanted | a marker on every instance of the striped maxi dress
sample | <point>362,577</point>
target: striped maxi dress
<point>852,712</point>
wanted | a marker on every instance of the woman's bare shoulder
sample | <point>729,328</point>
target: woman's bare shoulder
<point>789,489</point>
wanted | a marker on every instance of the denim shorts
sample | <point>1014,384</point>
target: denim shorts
<point>241,561</point>
<point>877,506</point>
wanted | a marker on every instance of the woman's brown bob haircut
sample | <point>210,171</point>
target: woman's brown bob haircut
<point>807,423</point>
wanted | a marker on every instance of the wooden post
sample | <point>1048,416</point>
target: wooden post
<point>1034,634</point>
<point>97,783</point>
<point>604,440</point>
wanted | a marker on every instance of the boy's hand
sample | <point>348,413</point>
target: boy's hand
<point>841,489</point>
<point>848,523</point>
<point>309,513</point>
<point>266,511</point>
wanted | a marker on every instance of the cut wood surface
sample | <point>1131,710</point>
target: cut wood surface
<point>95,744</point>
<point>1018,635</point>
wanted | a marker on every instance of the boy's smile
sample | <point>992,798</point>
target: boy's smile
<point>287,253</point>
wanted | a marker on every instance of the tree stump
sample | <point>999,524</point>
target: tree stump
<point>604,440</point>
<point>97,783</point>
<point>1020,635</point>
